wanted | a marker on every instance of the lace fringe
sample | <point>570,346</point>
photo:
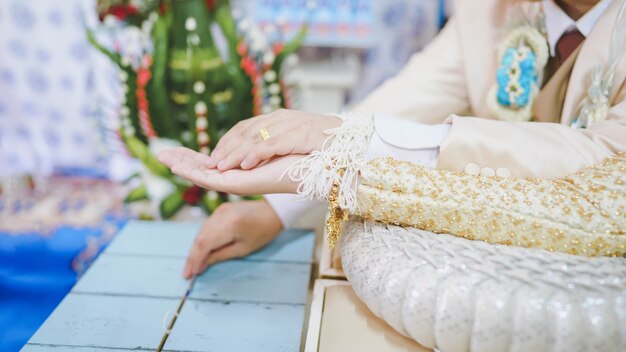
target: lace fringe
<point>338,163</point>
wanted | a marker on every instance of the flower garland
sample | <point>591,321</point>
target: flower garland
<point>523,56</point>
<point>143,76</point>
<point>596,104</point>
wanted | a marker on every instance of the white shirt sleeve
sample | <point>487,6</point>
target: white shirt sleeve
<point>406,140</point>
<point>289,207</point>
<point>397,138</point>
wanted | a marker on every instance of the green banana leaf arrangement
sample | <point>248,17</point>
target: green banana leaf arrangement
<point>181,90</point>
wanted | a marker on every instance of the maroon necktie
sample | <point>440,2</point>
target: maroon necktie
<point>566,45</point>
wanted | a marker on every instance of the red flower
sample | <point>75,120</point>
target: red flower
<point>242,49</point>
<point>210,4</point>
<point>278,47</point>
<point>193,194</point>
<point>143,76</point>
<point>162,8</point>
<point>122,11</point>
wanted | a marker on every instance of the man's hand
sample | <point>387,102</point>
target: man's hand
<point>234,230</point>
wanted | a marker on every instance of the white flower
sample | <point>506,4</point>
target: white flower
<point>203,138</point>
<point>202,123</point>
<point>194,39</point>
<point>274,100</point>
<point>157,187</point>
<point>199,87</point>
<point>274,88</point>
<point>514,90</point>
<point>110,21</point>
<point>244,25</point>
<point>270,76</point>
<point>123,76</point>
<point>521,53</point>
<point>191,24</point>
<point>514,73</point>
<point>268,58</point>
<point>133,45</point>
<point>200,108</point>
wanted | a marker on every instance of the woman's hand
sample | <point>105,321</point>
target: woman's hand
<point>290,132</point>
<point>264,179</point>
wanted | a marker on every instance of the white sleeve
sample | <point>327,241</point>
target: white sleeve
<point>406,140</point>
<point>397,138</point>
<point>289,207</point>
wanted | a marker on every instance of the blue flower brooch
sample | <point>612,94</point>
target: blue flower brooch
<point>522,58</point>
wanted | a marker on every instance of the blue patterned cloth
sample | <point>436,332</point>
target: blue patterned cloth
<point>36,272</point>
<point>49,122</point>
<point>49,116</point>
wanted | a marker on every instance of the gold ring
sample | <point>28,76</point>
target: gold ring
<point>265,135</point>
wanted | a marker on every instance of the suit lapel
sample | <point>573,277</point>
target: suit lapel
<point>594,51</point>
<point>549,103</point>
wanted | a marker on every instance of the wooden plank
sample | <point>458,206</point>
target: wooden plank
<point>105,321</point>
<point>175,239</point>
<point>250,304</point>
<point>291,245</point>
<point>232,281</point>
<point>138,276</point>
<point>209,326</point>
<point>254,282</point>
<point>157,238</point>
<point>46,347</point>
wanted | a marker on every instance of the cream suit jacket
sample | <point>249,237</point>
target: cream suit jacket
<point>448,81</point>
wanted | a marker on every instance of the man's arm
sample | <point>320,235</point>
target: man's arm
<point>532,149</point>
<point>290,207</point>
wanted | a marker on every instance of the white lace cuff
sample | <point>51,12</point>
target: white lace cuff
<point>338,163</point>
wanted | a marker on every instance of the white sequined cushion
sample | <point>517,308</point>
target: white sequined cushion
<point>458,295</point>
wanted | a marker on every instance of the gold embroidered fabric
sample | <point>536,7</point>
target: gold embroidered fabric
<point>582,214</point>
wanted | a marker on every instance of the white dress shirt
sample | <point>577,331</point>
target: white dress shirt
<point>559,23</point>
<point>419,143</point>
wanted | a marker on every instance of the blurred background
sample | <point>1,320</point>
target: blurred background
<point>77,132</point>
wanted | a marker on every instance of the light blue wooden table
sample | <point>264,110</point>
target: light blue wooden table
<point>252,304</point>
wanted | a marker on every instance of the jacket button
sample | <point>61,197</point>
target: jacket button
<point>472,169</point>
<point>503,172</point>
<point>487,172</point>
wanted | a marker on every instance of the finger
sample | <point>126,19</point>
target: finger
<point>200,175</point>
<point>283,136</point>
<point>233,159</point>
<point>230,251</point>
<point>282,144</point>
<point>229,141</point>
<point>171,157</point>
<point>248,131</point>
<point>264,179</point>
<point>202,248</point>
